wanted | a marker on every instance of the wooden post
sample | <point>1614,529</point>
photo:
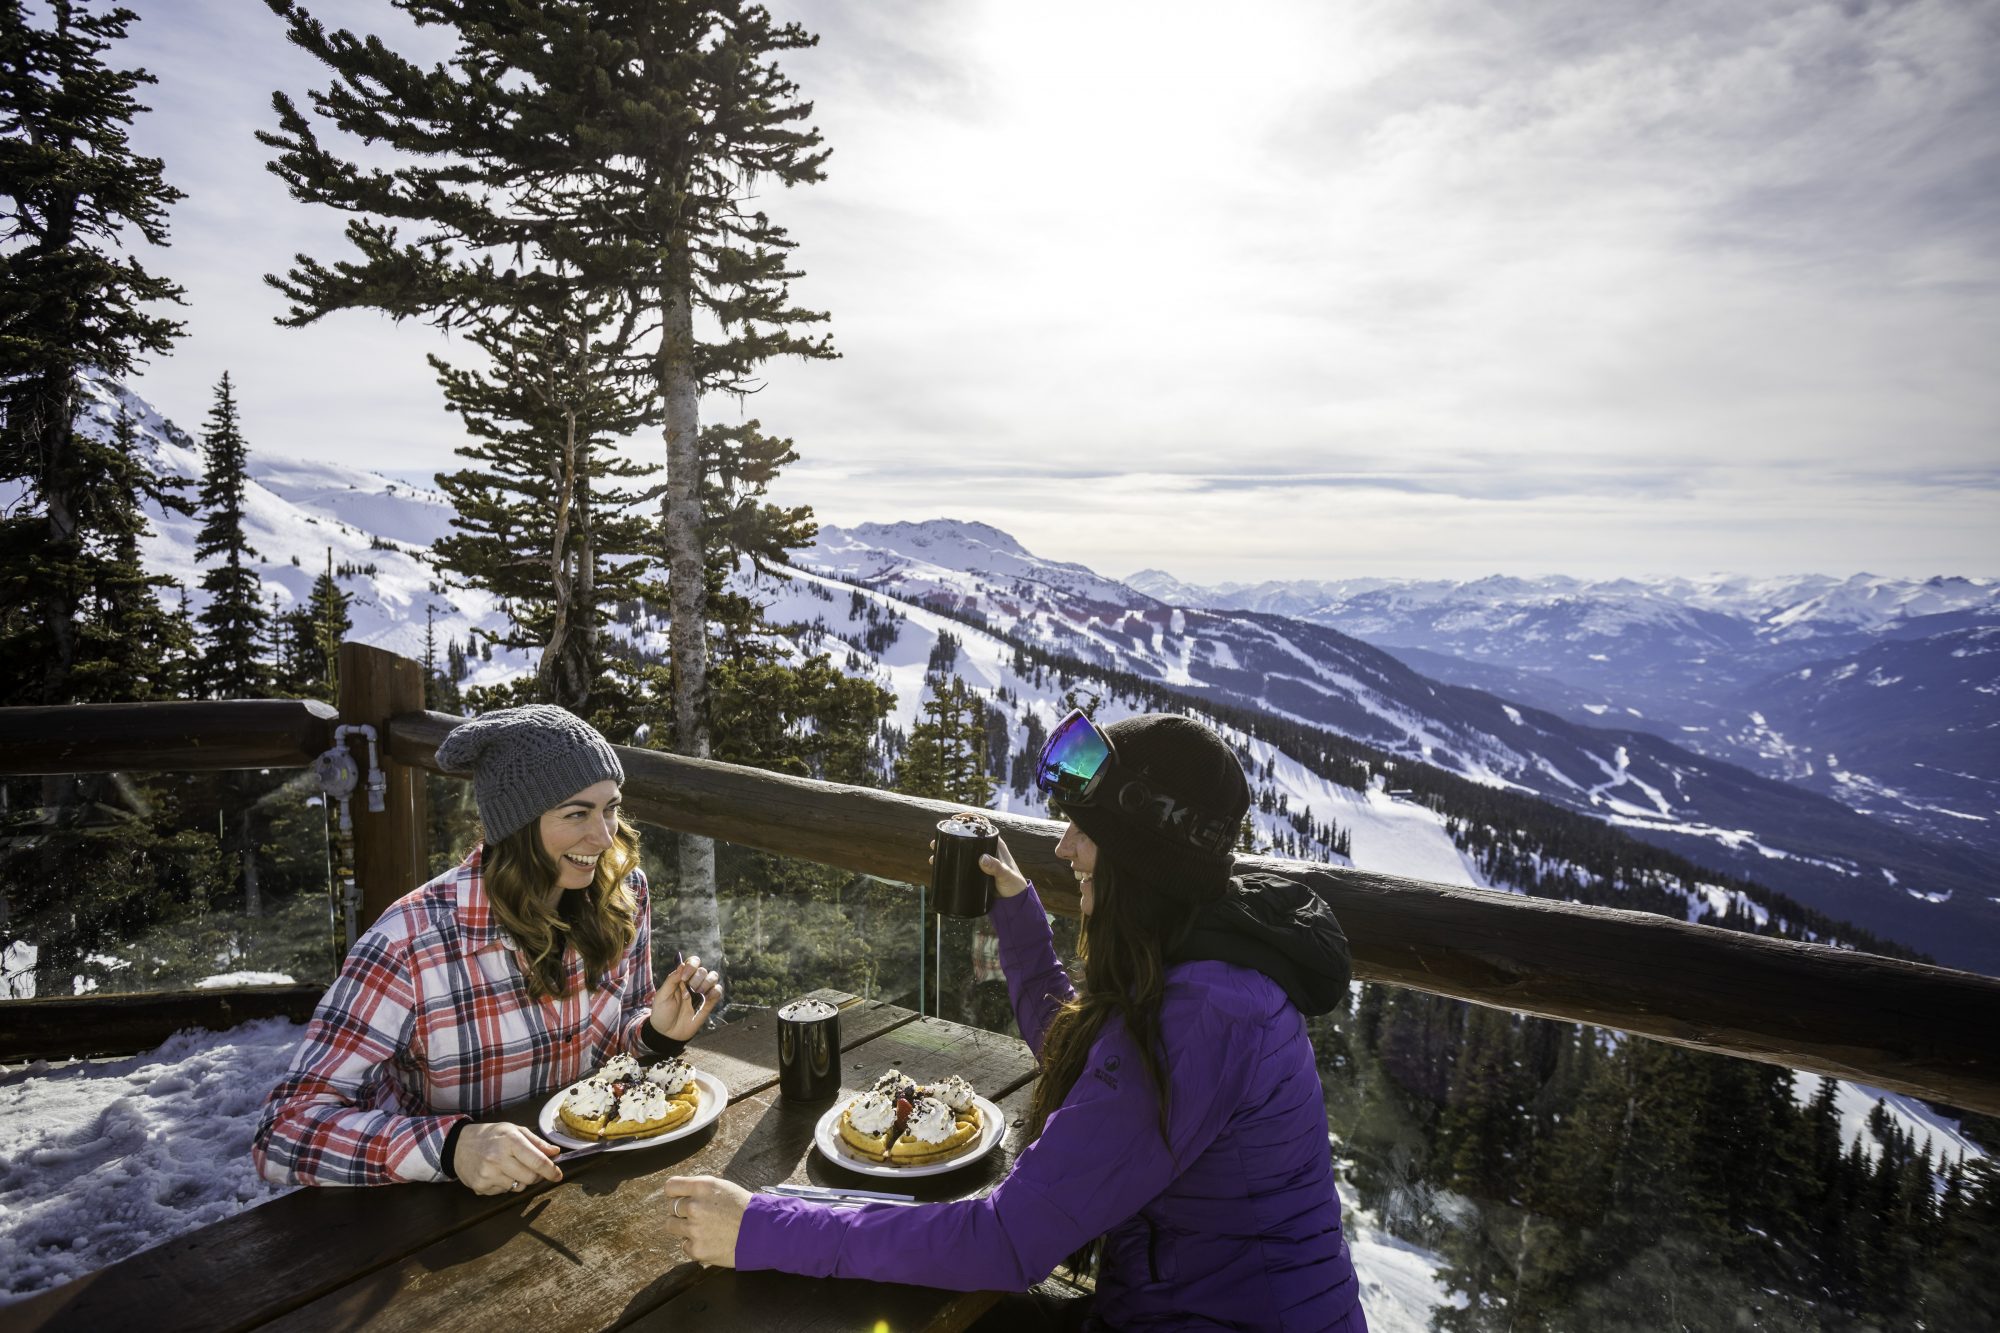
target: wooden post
<point>390,857</point>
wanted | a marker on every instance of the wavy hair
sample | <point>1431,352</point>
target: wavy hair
<point>600,920</point>
<point>1123,948</point>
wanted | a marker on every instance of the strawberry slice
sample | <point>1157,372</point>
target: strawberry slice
<point>903,1109</point>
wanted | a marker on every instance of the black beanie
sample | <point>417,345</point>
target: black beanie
<point>1178,758</point>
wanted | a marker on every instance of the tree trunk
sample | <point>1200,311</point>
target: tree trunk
<point>687,634</point>
<point>556,678</point>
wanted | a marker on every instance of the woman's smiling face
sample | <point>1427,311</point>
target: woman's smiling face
<point>580,830</point>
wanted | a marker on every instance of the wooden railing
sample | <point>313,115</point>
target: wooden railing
<point>1915,1028</point>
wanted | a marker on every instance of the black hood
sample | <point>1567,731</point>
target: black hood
<point>1279,927</point>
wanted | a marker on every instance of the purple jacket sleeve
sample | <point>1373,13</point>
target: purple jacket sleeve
<point>1037,985</point>
<point>1100,1159</point>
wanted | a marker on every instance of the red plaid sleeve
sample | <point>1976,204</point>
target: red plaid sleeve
<point>638,989</point>
<point>335,1118</point>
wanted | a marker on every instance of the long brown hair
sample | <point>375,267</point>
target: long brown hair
<point>1123,948</point>
<point>600,920</point>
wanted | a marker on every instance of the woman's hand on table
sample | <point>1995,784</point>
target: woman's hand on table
<point>497,1158</point>
<point>705,1214</point>
<point>676,1013</point>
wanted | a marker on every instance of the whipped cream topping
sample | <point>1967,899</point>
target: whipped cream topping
<point>889,1082</point>
<point>670,1075</point>
<point>873,1113</point>
<point>642,1102</point>
<point>930,1121</point>
<point>619,1069</point>
<point>953,1091</point>
<point>589,1098</point>
<point>966,826</point>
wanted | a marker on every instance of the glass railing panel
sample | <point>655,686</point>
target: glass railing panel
<point>789,926</point>
<point>139,882</point>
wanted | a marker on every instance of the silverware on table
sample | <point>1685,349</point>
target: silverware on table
<point>841,1197</point>
<point>572,1154</point>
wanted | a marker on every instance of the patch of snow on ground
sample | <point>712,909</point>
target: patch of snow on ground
<point>1395,837</point>
<point>100,1159</point>
<point>1399,1279</point>
<point>222,979</point>
<point>1853,1102</point>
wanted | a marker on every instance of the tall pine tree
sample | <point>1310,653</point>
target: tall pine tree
<point>235,619</point>
<point>74,296</point>
<point>620,141</point>
<point>546,514</point>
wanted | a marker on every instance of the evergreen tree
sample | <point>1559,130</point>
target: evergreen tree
<point>620,142</point>
<point>73,297</point>
<point>126,639</point>
<point>317,629</point>
<point>946,758</point>
<point>546,517</point>
<point>235,616</point>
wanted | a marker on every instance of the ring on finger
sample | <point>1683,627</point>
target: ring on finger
<point>515,1186</point>
<point>677,1205</point>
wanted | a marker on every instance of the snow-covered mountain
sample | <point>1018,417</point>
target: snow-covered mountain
<point>379,533</point>
<point>889,591</point>
<point>1709,664</point>
<point>1718,814</point>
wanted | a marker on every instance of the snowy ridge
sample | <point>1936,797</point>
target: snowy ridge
<point>1830,858</point>
<point>294,512</point>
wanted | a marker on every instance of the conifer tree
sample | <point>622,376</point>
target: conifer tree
<point>946,758</point>
<point>621,141</point>
<point>74,296</point>
<point>321,624</point>
<point>545,515</point>
<point>235,616</point>
<point>127,640</point>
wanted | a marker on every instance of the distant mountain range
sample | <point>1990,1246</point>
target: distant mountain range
<point>885,595</point>
<point>1885,877</point>
<point>1883,694</point>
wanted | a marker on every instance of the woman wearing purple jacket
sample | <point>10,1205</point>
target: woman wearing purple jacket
<point>1179,1113</point>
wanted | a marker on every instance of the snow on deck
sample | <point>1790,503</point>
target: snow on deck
<point>100,1159</point>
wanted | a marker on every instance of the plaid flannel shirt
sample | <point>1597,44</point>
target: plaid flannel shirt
<point>430,1023</point>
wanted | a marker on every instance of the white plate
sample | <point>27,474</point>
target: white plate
<point>713,1098</point>
<point>826,1137</point>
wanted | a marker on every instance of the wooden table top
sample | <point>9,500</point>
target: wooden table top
<point>587,1253</point>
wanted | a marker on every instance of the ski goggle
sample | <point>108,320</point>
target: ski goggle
<point>1077,767</point>
<point>1074,761</point>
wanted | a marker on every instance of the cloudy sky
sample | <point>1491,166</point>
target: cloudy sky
<point>1389,287</point>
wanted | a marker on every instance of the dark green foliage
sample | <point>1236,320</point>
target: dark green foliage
<point>306,665</point>
<point>74,296</point>
<point>1632,1185</point>
<point>546,513</point>
<point>946,756</point>
<point>235,619</point>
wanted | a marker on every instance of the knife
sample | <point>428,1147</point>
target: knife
<point>574,1154</point>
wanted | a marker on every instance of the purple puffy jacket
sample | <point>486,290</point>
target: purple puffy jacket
<point>1236,1225</point>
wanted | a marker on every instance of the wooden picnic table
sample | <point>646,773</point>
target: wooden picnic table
<point>585,1254</point>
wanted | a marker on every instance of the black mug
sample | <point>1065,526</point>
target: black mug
<point>958,886</point>
<point>808,1051</point>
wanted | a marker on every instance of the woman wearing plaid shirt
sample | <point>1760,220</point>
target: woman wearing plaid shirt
<point>506,978</point>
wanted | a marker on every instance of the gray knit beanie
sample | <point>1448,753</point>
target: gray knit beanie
<point>523,761</point>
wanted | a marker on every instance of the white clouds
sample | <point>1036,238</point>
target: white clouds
<point>1573,282</point>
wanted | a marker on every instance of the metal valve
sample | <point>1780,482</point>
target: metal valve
<point>338,774</point>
